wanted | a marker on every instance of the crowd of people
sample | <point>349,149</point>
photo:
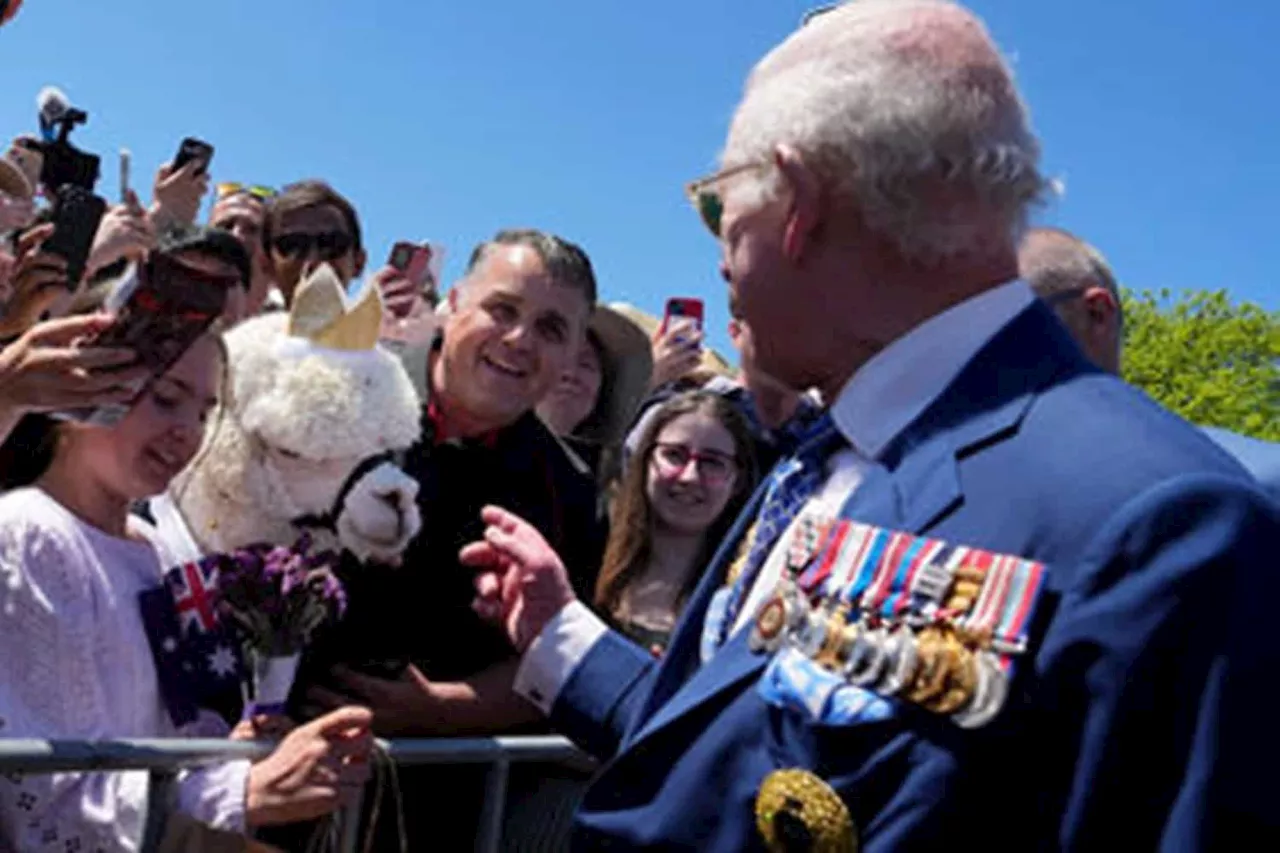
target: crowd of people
<point>921,557</point>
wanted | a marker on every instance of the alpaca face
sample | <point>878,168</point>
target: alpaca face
<point>307,434</point>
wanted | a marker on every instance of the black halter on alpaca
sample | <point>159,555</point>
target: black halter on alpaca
<point>329,521</point>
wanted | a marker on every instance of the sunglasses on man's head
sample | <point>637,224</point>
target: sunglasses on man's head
<point>326,245</point>
<point>706,197</point>
<point>259,192</point>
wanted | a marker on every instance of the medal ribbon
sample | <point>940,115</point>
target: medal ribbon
<point>1004,605</point>
<point>864,552</point>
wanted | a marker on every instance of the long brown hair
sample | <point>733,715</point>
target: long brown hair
<point>631,528</point>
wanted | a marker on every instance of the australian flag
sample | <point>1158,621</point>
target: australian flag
<point>197,656</point>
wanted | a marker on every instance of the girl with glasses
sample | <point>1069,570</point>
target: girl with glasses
<point>682,488</point>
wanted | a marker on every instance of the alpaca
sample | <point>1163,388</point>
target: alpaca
<point>307,434</point>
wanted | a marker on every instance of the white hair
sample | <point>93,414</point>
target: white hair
<point>922,126</point>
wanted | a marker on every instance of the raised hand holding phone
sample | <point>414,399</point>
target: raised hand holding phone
<point>125,232</point>
<point>45,370</point>
<point>683,317</point>
<point>408,286</point>
<point>677,344</point>
<point>181,185</point>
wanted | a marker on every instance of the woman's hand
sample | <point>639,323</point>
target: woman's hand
<point>676,353</point>
<point>46,370</point>
<point>317,769</point>
<point>177,193</point>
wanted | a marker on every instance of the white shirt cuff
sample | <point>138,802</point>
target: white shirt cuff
<point>215,795</point>
<point>555,653</point>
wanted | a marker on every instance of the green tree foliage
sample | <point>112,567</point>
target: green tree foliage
<point>1213,362</point>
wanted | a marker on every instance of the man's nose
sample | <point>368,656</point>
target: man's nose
<point>519,336</point>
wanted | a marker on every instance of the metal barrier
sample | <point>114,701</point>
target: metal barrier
<point>165,757</point>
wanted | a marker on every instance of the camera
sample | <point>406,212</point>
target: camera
<point>64,164</point>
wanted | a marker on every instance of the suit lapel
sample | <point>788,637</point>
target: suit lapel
<point>915,487</point>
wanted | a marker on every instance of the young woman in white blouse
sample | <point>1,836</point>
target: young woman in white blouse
<point>74,657</point>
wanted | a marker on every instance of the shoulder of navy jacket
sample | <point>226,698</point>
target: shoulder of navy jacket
<point>993,392</point>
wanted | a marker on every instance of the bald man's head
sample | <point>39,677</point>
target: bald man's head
<point>1076,280</point>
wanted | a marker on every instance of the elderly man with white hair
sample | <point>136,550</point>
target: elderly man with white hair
<point>997,599</point>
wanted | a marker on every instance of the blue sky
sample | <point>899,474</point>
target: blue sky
<point>449,121</point>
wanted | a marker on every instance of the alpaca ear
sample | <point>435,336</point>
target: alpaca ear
<point>358,328</point>
<point>317,304</point>
<point>320,315</point>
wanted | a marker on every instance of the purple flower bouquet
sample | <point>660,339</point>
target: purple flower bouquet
<point>277,598</point>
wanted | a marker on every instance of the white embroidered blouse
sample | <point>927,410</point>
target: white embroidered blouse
<point>75,663</point>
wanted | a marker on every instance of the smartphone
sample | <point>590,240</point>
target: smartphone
<point>161,308</point>
<point>77,212</point>
<point>682,311</point>
<point>413,260</point>
<point>193,149</point>
<point>126,162</point>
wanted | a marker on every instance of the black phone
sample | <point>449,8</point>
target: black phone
<point>193,149</point>
<point>77,213</point>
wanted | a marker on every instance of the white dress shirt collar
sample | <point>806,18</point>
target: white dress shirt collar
<point>897,384</point>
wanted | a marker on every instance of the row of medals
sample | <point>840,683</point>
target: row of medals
<point>933,663</point>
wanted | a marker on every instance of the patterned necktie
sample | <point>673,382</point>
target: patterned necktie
<point>791,483</point>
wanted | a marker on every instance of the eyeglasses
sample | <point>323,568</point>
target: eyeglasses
<point>230,188</point>
<point>672,460</point>
<point>325,245</point>
<point>707,199</point>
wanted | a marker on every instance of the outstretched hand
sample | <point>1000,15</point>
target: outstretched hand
<point>521,581</point>
<point>318,768</point>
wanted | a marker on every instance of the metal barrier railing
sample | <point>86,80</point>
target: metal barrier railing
<point>164,757</point>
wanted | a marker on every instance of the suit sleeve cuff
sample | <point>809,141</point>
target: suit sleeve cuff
<point>555,653</point>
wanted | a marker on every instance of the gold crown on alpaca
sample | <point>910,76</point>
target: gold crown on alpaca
<point>320,314</point>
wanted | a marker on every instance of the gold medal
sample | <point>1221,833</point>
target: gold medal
<point>961,678</point>
<point>797,811</point>
<point>782,612</point>
<point>829,656</point>
<point>931,674</point>
<point>770,623</point>
<point>965,587</point>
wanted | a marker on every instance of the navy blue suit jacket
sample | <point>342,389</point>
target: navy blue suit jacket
<point>1137,719</point>
<point>1260,458</point>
